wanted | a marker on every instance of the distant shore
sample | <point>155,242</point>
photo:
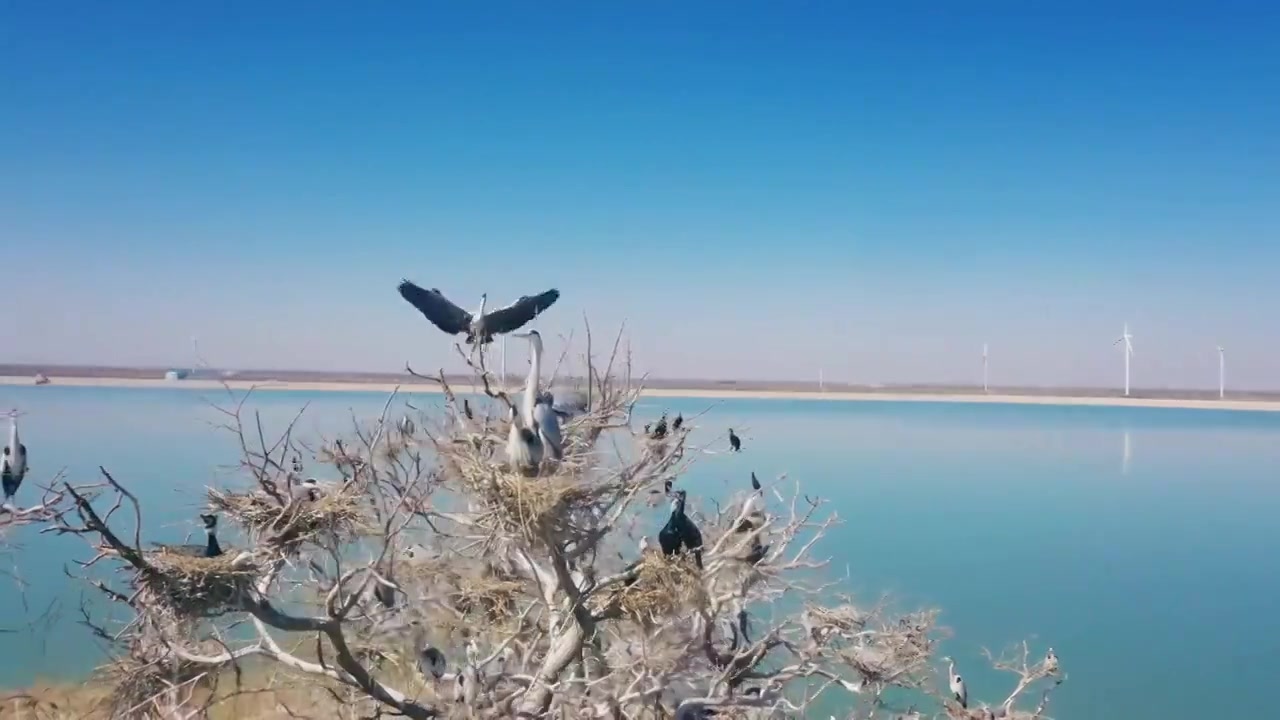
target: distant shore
<point>1039,397</point>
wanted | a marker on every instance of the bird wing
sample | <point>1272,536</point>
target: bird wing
<point>549,426</point>
<point>437,308</point>
<point>570,402</point>
<point>519,313</point>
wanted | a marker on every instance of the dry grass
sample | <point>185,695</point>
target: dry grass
<point>253,700</point>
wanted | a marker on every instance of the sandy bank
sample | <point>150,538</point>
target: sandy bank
<point>1254,405</point>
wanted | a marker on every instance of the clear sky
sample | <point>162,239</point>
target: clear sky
<point>759,189</point>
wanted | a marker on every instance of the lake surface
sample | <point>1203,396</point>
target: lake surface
<point>1142,544</point>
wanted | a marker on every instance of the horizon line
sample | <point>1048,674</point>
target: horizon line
<point>677,383</point>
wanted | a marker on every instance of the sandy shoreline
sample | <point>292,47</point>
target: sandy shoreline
<point>853,396</point>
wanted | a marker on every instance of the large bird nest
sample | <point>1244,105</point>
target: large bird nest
<point>337,513</point>
<point>481,594</point>
<point>198,586</point>
<point>139,687</point>
<point>548,506</point>
<point>663,586</point>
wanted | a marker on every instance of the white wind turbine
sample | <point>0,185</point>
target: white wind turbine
<point>1222,373</point>
<point>984,367</point>
<point>1127,339</point>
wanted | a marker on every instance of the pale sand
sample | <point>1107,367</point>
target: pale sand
<point>1255,405</point>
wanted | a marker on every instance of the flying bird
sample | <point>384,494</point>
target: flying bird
<point>481,327</point>
<point>734,442</point>
<point>13,464</point>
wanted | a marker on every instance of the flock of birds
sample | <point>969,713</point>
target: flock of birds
<point>535,435</point>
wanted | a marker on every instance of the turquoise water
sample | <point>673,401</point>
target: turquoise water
<point>1141,543</point>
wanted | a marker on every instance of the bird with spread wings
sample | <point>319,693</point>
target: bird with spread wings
<point>481,327</point>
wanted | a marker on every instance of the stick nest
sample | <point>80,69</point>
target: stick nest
<point>337,513</point>
<point>198,586</point>
<point>545,506</point>
<point>664,586</point>
<point>138,687</point>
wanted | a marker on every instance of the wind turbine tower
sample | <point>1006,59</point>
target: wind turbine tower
<point>1127,339</point>
<point>984,367</point>
<point>1222,373</point>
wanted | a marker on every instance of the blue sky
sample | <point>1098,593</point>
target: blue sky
<point>759,189</point>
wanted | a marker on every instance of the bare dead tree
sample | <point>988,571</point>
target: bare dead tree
<point>531,589</point>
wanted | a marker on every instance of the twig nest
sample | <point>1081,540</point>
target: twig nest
<point>547,507</point>
<point>335,513</point>
<point>490,597</point>
<point>139,688</point>
<point>664,585</point>
<point>198,586</point>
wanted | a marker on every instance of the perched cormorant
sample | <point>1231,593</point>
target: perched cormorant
<point>660,430</point>
<point>211,548</point>
<point>680,532</point>
<point>734,442</point>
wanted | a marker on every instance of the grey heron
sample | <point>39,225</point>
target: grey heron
<point>211,547</point>
<point>956,683</point>
<point>681,532</point>
<point>734,442</point>
<point>13,464</point>
<point>315,488</point>
<point>524,448</point>
<point>1051,662</point>
<point>406,426</point>
<point>537,407</point>
<point>481,327</point>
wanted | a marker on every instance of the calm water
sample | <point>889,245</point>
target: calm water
<point>1141,543</point>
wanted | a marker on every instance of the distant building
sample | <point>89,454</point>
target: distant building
<point>176,375</point>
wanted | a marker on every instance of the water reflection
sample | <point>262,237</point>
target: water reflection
<point>1127,454</point>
